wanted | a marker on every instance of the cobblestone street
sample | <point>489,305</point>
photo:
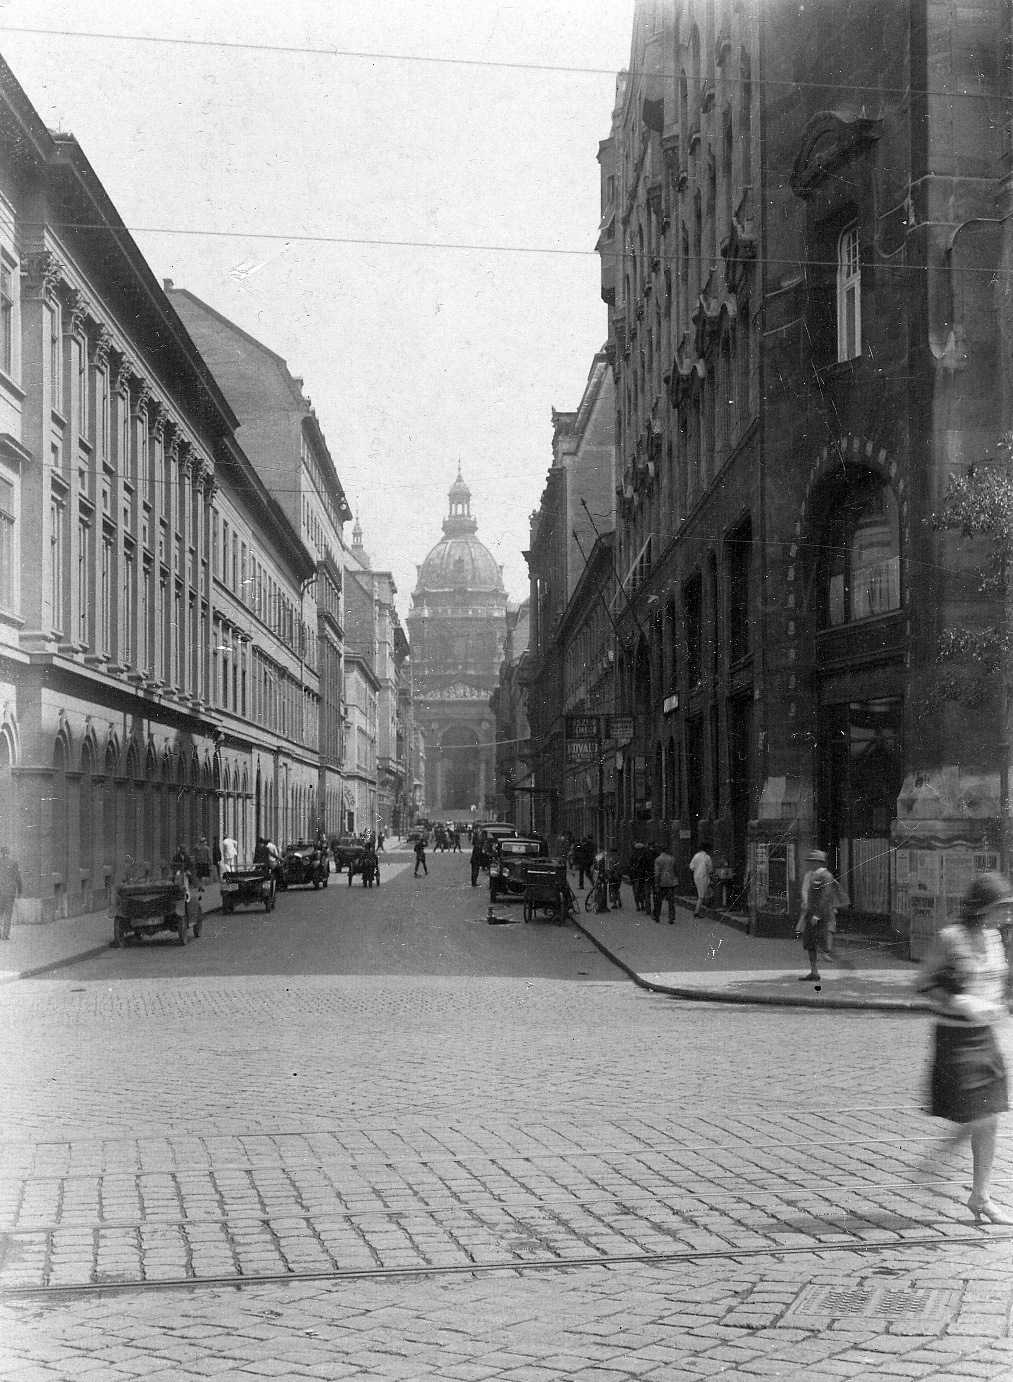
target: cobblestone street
<point>491,1156</point>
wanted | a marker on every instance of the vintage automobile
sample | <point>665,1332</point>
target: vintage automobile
<point>488,833</point>
<point>345,849</point>
<point>508,864</point>
<point>301,865</point>
<point>248,888</point>
<point>144,909</point>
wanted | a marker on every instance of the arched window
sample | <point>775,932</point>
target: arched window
<point>861,554</point>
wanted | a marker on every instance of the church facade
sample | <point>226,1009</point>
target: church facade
<point>456,629</point>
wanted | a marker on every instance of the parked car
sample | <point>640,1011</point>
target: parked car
<point>488,833</point>
<point>509,861</point>
<point>303,864</point>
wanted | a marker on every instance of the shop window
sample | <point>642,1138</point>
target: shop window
<point>861,547</point>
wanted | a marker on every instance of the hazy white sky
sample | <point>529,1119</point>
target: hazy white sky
<point>415,358</point>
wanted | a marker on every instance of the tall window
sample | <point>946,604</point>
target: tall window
<point>107,596</point>
<point>6,317</point>
<point>861,554</point>
<point>83,558</point>
<point>148,617</point>
<point>102,410</point>
<point>55,357</point>
<point>127,646</point>
<point>739,551</point>
<point>6,545</point>
<point>82,387</point>
<point>692,608</point>
<point>849,296</point>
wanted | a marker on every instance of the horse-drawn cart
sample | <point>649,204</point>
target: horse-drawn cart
<point>144,909</point>
<point>546,889</point>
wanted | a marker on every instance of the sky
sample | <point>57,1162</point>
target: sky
<point>417,357</point>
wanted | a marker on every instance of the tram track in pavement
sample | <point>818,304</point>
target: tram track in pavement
<point>510,1267</point>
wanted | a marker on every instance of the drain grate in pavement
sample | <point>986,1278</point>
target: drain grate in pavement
<point>873,1302</point>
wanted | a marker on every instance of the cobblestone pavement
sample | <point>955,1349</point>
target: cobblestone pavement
<point>474,1177</point>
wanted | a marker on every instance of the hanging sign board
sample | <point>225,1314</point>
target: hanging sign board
<point>583,737</point>
<point>619,728</point>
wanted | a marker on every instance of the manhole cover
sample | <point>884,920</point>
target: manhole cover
<point>879,1302</point>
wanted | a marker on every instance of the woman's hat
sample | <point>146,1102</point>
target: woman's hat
<point>816,856</point>
<point>987,890</point>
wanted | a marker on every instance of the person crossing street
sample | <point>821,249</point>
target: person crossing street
<point>420,856</point>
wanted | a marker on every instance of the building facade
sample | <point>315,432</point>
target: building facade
<point>883,719</point>
<point>281,435</point>
<point>797,618</point>
<point>455,630</point>
<point>375,634</point>
<point>359,755</point>
<point>145,700</point>
<point>513,733</point>
<point>577,507</point>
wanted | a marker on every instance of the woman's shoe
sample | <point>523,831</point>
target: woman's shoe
<point>983,1208</point>
<point>807,978</point>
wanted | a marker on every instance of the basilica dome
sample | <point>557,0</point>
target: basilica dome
<point>459,561</point>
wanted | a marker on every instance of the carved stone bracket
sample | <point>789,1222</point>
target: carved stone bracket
<point>144,393</point>
<point>76,309</point>
<point>102,344</point>
<point>158,422</point>
<point>40,273</point>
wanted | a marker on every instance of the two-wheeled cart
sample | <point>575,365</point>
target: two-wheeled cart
<point>547,890</point>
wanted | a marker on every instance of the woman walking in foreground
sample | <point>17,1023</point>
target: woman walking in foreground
<point>967,978</point>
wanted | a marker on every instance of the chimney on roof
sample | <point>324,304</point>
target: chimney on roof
<point>167,284</point>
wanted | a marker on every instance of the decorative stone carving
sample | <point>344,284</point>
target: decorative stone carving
<point>830,139</point>
<point>75,311</point>
<point>40,273</point>
<point>158,422</point>
<point>101,348</point>
<point>144,393</point>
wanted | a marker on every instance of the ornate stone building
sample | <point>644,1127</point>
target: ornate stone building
<point>456,630</point>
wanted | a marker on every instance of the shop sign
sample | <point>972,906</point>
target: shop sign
<point>583,727</point>
<point>582,750</point>
<point>619,728</point>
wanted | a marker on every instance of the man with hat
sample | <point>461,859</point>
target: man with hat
<point>821,897</point>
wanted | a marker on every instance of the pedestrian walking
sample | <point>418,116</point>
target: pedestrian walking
<point>476,858</point>
<point>817,925</point>
<point>10,891</point>
<point>585,861</point>
<point>664,884</point>
<point>967,979</point>
<point>216,857</point>
<point>701,866</point>
<point>455,837</point>
<point>420,856</point>
<point>230,854</point>
<point>181,860</point>
<point>380,838</point>
<point>202,861</point>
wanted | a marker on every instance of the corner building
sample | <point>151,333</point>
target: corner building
<point>456,628</point>
<point>802,205</point>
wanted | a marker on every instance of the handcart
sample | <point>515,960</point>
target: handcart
<point>144,909</point>
<point>248,888</point>
<point>547,890</point>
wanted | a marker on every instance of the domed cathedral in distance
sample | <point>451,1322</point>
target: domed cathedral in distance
<point>456,628</point>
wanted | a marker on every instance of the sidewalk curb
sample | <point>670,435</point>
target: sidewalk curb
<point>77,958</point>
<point>702,995</point>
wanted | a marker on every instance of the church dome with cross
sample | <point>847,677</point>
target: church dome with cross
<point>456,629</point>
<point>459,561</point>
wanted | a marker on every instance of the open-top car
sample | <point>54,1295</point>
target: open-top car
<point>303,864</point>
<point>509,861</point>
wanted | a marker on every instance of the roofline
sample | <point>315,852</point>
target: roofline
<point>299,398</point>
<point>302,562</point>
<point>361,660</point>
<point>601,551</point>
<point>65,156</point>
